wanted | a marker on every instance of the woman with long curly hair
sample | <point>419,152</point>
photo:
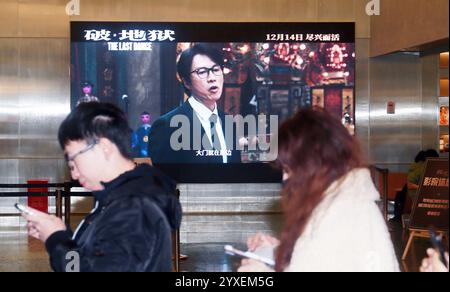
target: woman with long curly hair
<point>332,222</point>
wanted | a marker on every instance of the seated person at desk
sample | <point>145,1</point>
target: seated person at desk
<point>416,171</point>
<point>201,71</point>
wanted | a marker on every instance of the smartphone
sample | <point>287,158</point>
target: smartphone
<point>250,255</point>
<point>23,209</point>
<point>436,241</point>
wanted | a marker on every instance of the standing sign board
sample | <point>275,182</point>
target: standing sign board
<point>430,209</point>
<point>431,206</point>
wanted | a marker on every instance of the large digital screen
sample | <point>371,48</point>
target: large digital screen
<point>217,121</point>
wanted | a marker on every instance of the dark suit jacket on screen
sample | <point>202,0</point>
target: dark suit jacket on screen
<point>159,140</point>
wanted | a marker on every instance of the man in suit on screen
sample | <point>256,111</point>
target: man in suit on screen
<point>203,126</point>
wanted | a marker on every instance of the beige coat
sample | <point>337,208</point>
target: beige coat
<point>347,231</point>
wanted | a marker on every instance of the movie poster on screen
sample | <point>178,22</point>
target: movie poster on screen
<point>271,69</point>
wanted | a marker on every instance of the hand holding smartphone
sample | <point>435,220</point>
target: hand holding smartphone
<point>436,241</point>
<point>22,209</point>
<point>40,225</point>
<point>250,255</point>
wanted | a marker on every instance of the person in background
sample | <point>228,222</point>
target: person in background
<point>140,137</point>
<point>416,171</point>
<point>129,230</point>
<point>432,263</point>
<point>87,89</point>
<point>400,196</point>
<point>414,175</point>
<point>332,221</point>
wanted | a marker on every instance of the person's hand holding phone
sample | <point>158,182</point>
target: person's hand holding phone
<point>257,242</point>
<point>432,263</point>
<point>41,225</point>
<point>261,240</point>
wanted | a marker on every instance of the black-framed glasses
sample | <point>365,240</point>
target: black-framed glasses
<point>71,158</point>
<point>203,72</point>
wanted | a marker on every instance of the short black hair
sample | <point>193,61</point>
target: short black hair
<point>145,113</point>
<point>424,154</point>
<point>184,64</point>
<point>420,156</point>
<point>86,84</point>
<point>431,153</point>
<point>95,120</point>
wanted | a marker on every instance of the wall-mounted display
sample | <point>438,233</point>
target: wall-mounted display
<point>263,72</point>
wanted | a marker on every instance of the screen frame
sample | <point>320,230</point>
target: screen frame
<point>220,32</point>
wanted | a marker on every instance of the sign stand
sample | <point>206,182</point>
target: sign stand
<point>420,233</point>
<point>431,206</point>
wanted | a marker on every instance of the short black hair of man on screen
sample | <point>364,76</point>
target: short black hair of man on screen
<point>184,65</point>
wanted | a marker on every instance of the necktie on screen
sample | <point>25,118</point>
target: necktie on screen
<point>214,136</point>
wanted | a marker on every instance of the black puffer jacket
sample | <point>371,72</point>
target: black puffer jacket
<point>129,230</point>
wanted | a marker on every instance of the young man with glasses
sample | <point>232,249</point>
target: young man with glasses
<point>200,69</point>
<point>135,206</point>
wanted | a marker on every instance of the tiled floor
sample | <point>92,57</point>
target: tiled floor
<point>210,257</point>
<point>19,253</point>
<point>417,251</point>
